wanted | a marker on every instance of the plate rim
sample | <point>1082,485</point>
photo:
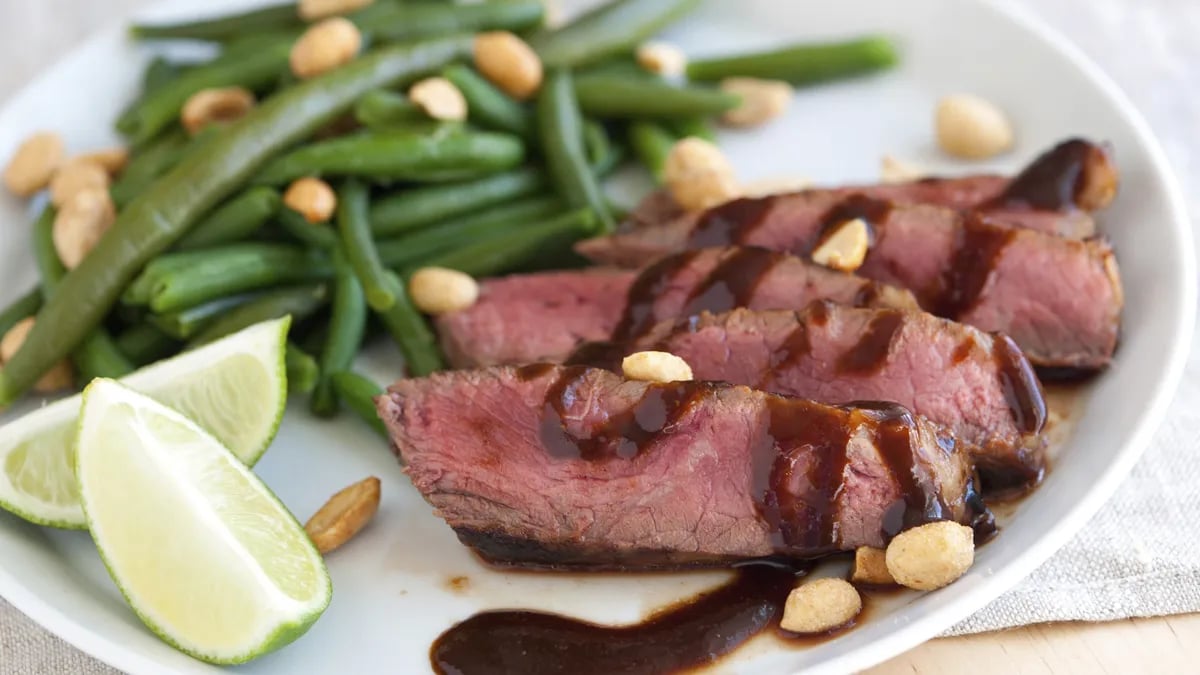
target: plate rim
<point>930,623</point>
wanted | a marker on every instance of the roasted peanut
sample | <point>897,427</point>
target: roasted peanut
<point>762,100</point>
<point>820,605</point>
<point>698,175</point>
<point>34,163</point>
<point>112,160</point>
<point>75,176</point>
<point>766,187</point>
<point>509,63</point>
<point>437,290</point>
<point>325,46</point>
<point>215,106</point>
<point>312,198</point>
<point>870,567</point>
<point>80,223</point>
<point>662,58</point>
<point>60,377</point>
<point>311,10</point>
<point>344,515</point>
<point>931,556</point>
<point>971,127</point>
<point>893,170</point>
<point>440,99</point>
<point>656,367</point>
<point>845,248</point>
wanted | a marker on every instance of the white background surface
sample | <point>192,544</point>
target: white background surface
<point>1150,48</point>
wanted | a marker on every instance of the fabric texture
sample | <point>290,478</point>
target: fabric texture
<point>1134,559</point>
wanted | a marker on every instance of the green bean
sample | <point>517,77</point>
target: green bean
<point>22,308</point>
<point>381,109</point>
<point>411,249</point>
<point>252,70</point>
<point>185,323</point>
<point>236,220</point>
<point>346,329</point>
<point>603,154</point>
<point>99,356</point>
<point>416,20</point>
<point>802,64</point>
<point>314,235</point>
<point>490,107</point>
<point>652,143</point>
<point>222,28</point>
<point>158,72</point>
<point>410,332</point>
<point>613,96</point>
<point>148,164</point>
<point>561,129</point>
<point>165,211</point>
<point>302,370</point>
<point>699,127</point>
<point>358,393</point>
<point>232,269</point>
<point>358,246</point>
<point>610,29</point>
<point>414,208</point>
<point>445,154</point>
<point>143,343</point>
<point>300,302</point>
<point>508,251</point>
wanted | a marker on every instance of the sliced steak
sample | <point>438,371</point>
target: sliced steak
<point>977,386</point>
<point>543,317</point>
<point>566,467</point>
<point>1060,299</point>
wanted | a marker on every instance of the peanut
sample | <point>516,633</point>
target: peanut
<point>344,515</point>
<point>440,99</point>
<point>846,248</point>
<point>656,367</point>
<point>870,567</point>
<point>892,170</point>
<point>215,106</point>
<point>34,163</point>
<point>971,127</point>
<point>76,176</point>
<point>325,46</point>
<point>662,58</point>
<point>931,556</point>
<point>762,100</point>
<point>80,223</point>
<point>60,377</point>
<point>509,63</point>
<point>437,290</point>
<point>312,198</point>
<point>698,175</point>
<point>766,187</point>
<point>112,160</point>
<point>556,16</point>
<point>820,605</point>
<point>311,10</point>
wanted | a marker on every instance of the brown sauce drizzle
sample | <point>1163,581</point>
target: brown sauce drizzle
<point>920,502</point>
<point>1021,386</point>
<point>730,223</point>
<point>733,281</point>
<point>856,206</point>
<point>652,282</point>
<point>980,244</point>
<point>962,350</point>
<point>1052,182</point>
<point>869,354</point>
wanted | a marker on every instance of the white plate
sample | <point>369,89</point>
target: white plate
<point>392,595</point>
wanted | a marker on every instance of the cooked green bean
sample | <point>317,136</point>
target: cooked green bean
<point>347,326</point>
<point>603,154</point>
<point>358,393</point>
<point>315,235</point>
<point>423,20</point>
<point>186,323</point>
<point>143,343</point>
<point>652,143</point>
<point>358,246</point>
<point>561,130</point>
<point>699,127</point>
<point>148,164</point>
<point>165,211</point>
<point>414,208</point>
<point>490,107</point>
<point>802,64</point>
<point>158,72</point>
<point>300,302</point>
<point>302,370</point>
<point>223,28</point>
<point>229,270</point>
<point>445,154</point>
<point>610,29</point>
<point>410,332</point>
<point>22,308</point>
<point>99,356</point>
<point>615,96</point>
<point>382,108</point>
<point>236,220</point>
<point>508,251</point>
<point>411,249</point>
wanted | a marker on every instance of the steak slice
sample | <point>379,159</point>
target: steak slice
<point>572,467</point>
<point>543,317</point>
<point>1060,299</point>
<point>977,386</point>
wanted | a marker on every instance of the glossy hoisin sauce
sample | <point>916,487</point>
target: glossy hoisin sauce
<point>1052,182</point>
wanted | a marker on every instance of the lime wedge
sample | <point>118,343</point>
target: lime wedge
<point>236,388</point>
<point>203,552</point>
